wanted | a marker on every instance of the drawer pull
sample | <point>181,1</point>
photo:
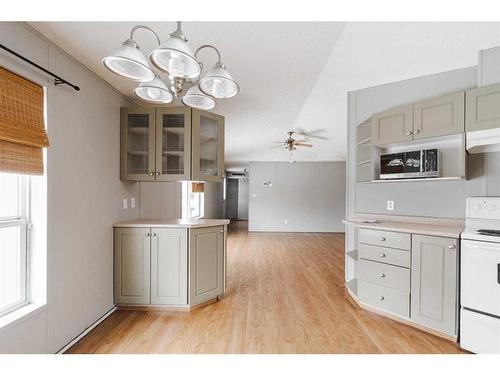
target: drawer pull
<point>382,238</point>
<point>382,275</point>
<point>381,298</point>
<point>146,234</point>
<point>382,255</point>
<point>451,247</point>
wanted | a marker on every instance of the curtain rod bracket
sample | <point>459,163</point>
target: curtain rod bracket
<point>57,80</point>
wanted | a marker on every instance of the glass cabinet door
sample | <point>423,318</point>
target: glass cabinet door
<point>208,146</point>
<point>137,144</point>
<point>173,144</point>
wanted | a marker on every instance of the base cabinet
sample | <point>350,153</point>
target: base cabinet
<point>408,276</point>
<point>434,282</point>
<point>132,255</point>
<point>206,264</point>
<point>168,266</point>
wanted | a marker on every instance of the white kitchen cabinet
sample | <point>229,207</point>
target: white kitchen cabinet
<point>169,266</point>
<point>206,263</point>
<point>392,126</point>
<point>483,108</point>
<point>434,282</point>
<point>443,115</point>
<point>132,252</point>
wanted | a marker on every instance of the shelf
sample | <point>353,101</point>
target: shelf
<point>353,254</point>
<point>352,285</point>
<point>175,153</point>
<point>364,142</point>
<point>174,130</point>
<point>365,162</point>
<point>138,153</point>
<point>139,130</point>
<point>413,180</point>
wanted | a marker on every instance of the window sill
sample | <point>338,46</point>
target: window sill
<point>20,315</point>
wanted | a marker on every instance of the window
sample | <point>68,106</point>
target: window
<point>193,204</point>
<point>14,223</point>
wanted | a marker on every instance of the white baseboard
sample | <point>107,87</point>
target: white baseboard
<point>84,333</point>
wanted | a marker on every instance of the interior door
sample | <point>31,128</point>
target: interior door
<point>207,146</point>
<point>137,137</point>
<point>173,144</point>
<point>169,268</point>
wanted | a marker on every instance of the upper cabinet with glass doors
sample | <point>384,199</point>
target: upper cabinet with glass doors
<point>171,144</point>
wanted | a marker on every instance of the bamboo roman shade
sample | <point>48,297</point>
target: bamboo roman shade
<point>22,128</point>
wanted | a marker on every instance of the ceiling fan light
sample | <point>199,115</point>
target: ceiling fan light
<point>128,61</point>
<point>154,91</point>
<point>176,58</point>
<point>219,83</point>
<point>196,99</point>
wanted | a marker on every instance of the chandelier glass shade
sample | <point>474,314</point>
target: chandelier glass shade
<point>154,91</point>
<point>129,62</point>
<point>196,99</point>
<point>174,58</point>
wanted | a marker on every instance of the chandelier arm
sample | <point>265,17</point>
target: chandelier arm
<point>137,27</point>
<point>207,46</point>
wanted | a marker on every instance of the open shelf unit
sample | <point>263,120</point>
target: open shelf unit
<point>364,159</point>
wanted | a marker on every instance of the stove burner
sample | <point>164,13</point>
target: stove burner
<point>489,232</point>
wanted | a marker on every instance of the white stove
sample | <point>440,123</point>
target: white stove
<point>480,277</point>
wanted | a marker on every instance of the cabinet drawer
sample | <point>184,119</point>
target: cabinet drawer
<point>386,239</point>
<point>385,255</point>
<point>379,296</point>
<point>384,274</point>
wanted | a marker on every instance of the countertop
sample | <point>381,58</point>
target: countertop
<point>440,230</point>
<point>171,223</point>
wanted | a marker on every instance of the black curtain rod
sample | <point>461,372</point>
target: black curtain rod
<point>58,80</point>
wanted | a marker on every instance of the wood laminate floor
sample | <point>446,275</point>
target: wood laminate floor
<point>285,295</point>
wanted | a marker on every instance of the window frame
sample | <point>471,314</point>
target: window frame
<point>23,221</point>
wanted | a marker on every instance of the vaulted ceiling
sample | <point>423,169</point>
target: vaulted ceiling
<point>291,74</point>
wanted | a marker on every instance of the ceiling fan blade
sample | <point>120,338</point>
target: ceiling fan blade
<point>303,144</point>
<point>311,133</point>
<point>278,146</point>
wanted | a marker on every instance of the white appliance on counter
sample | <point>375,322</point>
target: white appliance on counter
<point>480,277</point>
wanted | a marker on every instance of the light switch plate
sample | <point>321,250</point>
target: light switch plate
<point>132,202</point>
<point>125,203</point>
<point>390,205</point>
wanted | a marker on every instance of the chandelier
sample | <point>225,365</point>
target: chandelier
<point>182,67</point>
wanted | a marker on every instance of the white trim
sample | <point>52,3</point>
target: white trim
<point>86,331</point>
<point>19,315</point>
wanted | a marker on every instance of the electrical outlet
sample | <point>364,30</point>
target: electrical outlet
<point>132,202</point>
<point>390,205</point>
<point>125,203</point>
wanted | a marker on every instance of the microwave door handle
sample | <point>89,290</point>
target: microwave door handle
<point>422,161</point>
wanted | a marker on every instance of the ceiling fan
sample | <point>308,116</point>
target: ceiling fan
<point>291,144</point>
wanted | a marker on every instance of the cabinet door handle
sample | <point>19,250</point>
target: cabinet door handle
<point>416,131</point>
<point>382,255</point>
<point>146,234</point>
<point>381,298</point>
<point>157,173</point>
<point>409,133</point>
<point>382,275</point>
<point>151,173</point>
<point>382,238</point>
<point>153,235</point>
<point>451,247</point>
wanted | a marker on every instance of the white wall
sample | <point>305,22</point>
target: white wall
<point>304,196</point>
<point>84,195</point>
